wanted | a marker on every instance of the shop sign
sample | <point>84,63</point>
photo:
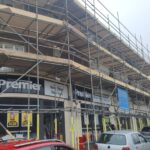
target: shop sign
<point>12,119</point>
<point>24,118</point>
<point>82,93</point>
<point>22,84</point>
<point>55,89</point>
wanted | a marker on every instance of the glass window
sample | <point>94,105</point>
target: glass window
<point>42,148</point>
<point>1,45</point>
<point>146,129</point>
<point>11,46</point>
<point>59,147</point>
<point>8,46</point>
<point>135,139</point>
<point>115,139</point>
<point>142,139</point>
<point>19,48</point>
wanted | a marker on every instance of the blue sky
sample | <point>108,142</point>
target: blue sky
<point>134,14</point>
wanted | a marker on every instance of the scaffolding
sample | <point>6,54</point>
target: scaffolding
<point>73,43</point>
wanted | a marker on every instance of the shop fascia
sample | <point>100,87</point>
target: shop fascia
<point>55,89</point>
<point>83,94</point>
<point>20,84</point>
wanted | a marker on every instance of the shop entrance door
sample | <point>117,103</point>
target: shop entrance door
<point>54,126</point>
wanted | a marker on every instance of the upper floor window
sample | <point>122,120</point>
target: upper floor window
<point>6,69</point>
<point>12,46</point>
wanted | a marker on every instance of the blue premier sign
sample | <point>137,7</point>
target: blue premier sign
<point>122,98</point>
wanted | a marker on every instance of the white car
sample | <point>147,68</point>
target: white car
<point>122,140</point>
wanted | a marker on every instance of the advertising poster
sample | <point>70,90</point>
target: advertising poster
<point>24,118</point>
<point>12,119</point>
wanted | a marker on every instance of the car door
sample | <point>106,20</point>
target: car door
<point>144,144</point>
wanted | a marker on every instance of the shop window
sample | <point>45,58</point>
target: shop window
<point>144,122</point>
<point>138,123</point>
<point>125,123</point>
<point>128,123</point>
<point>108,124</point>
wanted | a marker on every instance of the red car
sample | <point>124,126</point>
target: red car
<point>34,145</point>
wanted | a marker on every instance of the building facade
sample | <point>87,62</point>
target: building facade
<point>72,69</point>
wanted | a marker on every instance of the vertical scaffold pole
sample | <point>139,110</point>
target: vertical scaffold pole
<point>95,123</point>
<point>72,130</point>
<point>96,37</point>
<point>126,122</point>
<point>55,122</point>
<point>77,130</point>
<point>28,126</point>
<point>91,76</point>
<point>38,126</point>
<point>131,123</point>
<point>134,123</point>
<point>140,122</point>
<point>104,124</point>
<point>69,70</point>
<point>37,47</point>
<point>148,121</point>
<point>87,131</point>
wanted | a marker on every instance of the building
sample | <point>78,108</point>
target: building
<point>71,68</point>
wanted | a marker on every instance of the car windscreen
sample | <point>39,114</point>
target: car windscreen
<point>146,129</point>
<point>114,139</point>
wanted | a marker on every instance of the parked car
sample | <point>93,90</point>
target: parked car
<point>146,132</point>
<point>34,145</point>
<point>122,140</point>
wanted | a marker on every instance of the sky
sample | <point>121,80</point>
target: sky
<point>134,14</point>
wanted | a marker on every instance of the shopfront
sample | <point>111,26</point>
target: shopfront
<point>82,93</point>
<point>21,100</point>
<point>54,125</point>
<point>94,123</point>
